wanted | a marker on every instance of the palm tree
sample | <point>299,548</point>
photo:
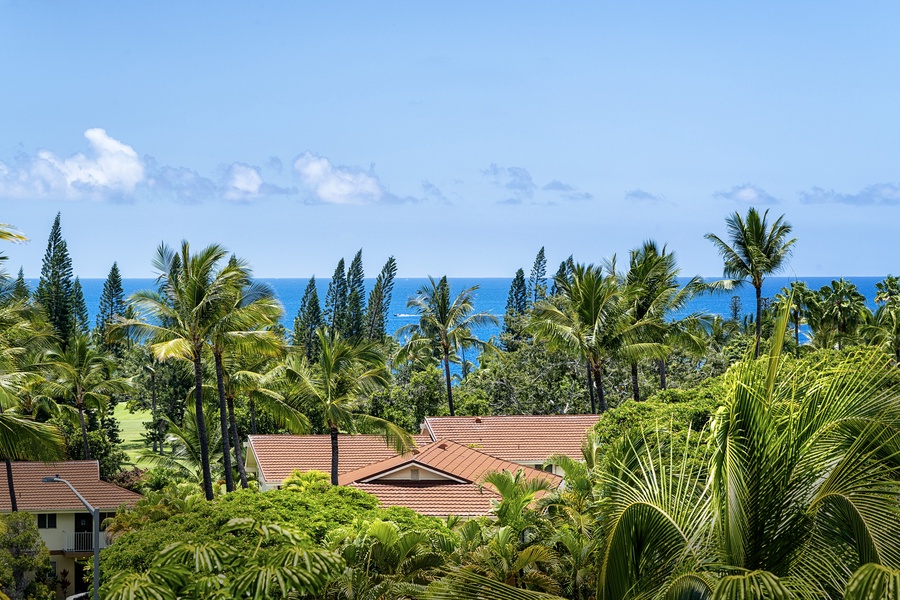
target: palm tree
<point>242,326</point>
<point>800,491</point>
<point>82,375</point>
<point>883,328</point>
<point>585,318</point>
<point>335,385</point>
<point>651,291</point>
<point>756,250</point>
<point>185,459</point>
<point>797,297</point>
<point>844,308</point>
<point>181,318</point>
<point>445,324</point>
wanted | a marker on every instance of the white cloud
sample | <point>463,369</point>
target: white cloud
<point>879,193</point>
<point>241,182</point>
<point>747,194</point>
<point>110,168</point>
<point>334,184</point>
<point>639,195</point>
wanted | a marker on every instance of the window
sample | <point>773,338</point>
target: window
<point>46,521</point>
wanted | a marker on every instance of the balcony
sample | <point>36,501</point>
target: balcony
<point>82,542</point>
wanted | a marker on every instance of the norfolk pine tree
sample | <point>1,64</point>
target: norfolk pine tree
<point>55,287</point>
<point>380,301</point>
<point>336,299</point>
<point>309,318</point>
<point>356,294</point>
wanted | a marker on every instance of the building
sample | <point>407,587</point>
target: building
<point>66,527</point>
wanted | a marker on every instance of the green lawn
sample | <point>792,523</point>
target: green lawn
<point>132,425</point>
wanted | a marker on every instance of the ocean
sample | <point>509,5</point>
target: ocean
<point>490,297</point>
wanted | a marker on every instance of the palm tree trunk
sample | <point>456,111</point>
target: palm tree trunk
<point>447,379</point>
<point>635,389</point>
<point>238,450</point>
<point>662,374</point>
<point>153,414</point>
<point>12,487</point>
<point>797,337</point>
<point>201,426</point>
<point>334,454</point>
<point>597,373</point>
<point>84,437</point>
<point>9,480</point>
<point>590,381</point>
<point>223,423</point>
<point>758,318</point>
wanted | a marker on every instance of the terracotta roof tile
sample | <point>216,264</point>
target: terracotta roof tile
<point>446,457</point>
<point>34,495</point>
<point>281,455</point>
<point>433,498</point>
<point>517,438</point>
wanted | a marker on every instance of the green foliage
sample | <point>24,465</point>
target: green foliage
<point>336,299</point>
<point>379,304</point>
<point>408,403</point>
<point>55,286</point>
<point>166,520</point>
<point>516,305</point>
<point>82,324</point>
<point>356,294</point>
<point>309,318</point>
<point>537,281</point>
<point>22,556</point>
<point>112,306</point>
<point>20,292</point>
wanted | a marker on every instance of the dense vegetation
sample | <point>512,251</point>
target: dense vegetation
<point>711,473</point>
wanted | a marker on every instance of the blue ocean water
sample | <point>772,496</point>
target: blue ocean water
<point>490,295</point>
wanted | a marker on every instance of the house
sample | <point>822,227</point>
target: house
<point>272,458</point>
<point>440,479</point>
<point>63,522</point>
<point>527,440</point>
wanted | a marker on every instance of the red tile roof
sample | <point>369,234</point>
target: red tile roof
<point>446,457</point>
<point>433,498</point>
<point>281,455</point>
<point>517,438</point>
<point>34,495</point>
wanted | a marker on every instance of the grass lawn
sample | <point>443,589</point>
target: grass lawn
<point>132,426</point>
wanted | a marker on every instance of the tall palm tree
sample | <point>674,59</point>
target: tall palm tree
<point>336,384</point>
<point>84,376</point>
<point>651,291</point>
<point>181,317</point>
<point>587,319</point>
<point>756,250</point>
<point>242,325</point>
<point>797,297</point>
<point>844,309</point>
<point>883,328</point>
<point>445,325</point>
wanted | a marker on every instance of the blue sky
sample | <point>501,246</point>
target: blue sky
<point>458,137</point>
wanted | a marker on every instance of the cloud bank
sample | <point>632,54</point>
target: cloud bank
<point>880,194</point>
<point>747,194</point>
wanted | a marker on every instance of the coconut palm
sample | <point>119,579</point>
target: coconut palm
<point>83,376</point>
<point>800,492</point>
<point>185,460</point>
<point>797,297</point>
<point>181,317</point>
<point>756,250</point>
<point>242,326</point>
<point>335,386</point>
<point>587,318</point>
<point>887,290</point>
<point>651,291</point>
<point>445,325</point>
<point>883,328</point>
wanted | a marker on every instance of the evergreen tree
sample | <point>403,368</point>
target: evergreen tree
<point>81,323</point>
<point>112,301</point>
<point>516,305</point>
<point>55,287</point>
<point>380,301</point>
<point>309,318</point>
<point>336,299</point>
<point>563,274</point>
<point>537,283</point>
<point>356,294</point>
<point>20,288</point>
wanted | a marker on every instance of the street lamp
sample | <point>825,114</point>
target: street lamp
<point>95,514</point>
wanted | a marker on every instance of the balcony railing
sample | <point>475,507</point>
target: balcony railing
<point>83,541</point>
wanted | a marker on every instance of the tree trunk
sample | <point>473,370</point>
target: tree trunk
<point>447,378</point>
<point>238,449</point>
<point>597,374</point>
<point>635,389</point>
<point>590,381</point>
<point>662,374</point>
<point>334,454</point>
<point>758,319</point>
<point>12,487</point>
<point>154,415</point>
<point>223,423</point>
<point>797,337</point>
<point>84,437</point>
<point>201,426</point>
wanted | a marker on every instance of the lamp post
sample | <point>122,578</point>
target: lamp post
<point>95,515</point>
